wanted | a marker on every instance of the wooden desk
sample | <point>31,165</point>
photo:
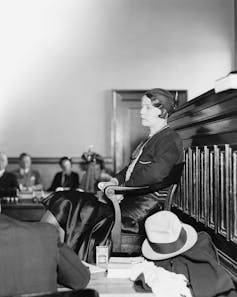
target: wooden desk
<point>25,207</point>
<point>25,211</point>
<point>113,287</point>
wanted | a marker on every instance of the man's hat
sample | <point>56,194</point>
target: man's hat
<point>167,236</point>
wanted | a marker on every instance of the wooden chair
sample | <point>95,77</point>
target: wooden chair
<point>131,243</point>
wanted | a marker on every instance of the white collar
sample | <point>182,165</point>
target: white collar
<point>151,134</point>
<point>2,172</point>
<point>24,171</point>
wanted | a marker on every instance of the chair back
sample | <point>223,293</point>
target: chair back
<point>173,178</point>
<point>131,243</point>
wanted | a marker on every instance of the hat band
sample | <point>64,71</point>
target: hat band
<point>171,247</point>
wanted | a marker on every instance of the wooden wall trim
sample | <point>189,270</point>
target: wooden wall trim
<point>52,160</point>
<point>208,119</point>
<point>207,197</point>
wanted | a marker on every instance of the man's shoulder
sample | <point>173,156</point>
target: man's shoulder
<point>58,174</point>
<point>10,175</point>
<point>34,172</point>
<point>75,173</point>
<point>28,234</point>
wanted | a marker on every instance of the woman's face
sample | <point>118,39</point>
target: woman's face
<point>149,113</point>
<point>66,166</point>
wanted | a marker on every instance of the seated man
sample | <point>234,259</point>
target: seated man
<point>28,179</point>
<point>32,261</point>
<point>178,248</point>
<point>8,181</point>
<point>65,179</point>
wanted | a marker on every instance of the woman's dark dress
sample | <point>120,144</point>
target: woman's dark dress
<point>87,222</point>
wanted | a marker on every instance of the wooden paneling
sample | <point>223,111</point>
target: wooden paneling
<point>207,197</point>
<point>207,120</point>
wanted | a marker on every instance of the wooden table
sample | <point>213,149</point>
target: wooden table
<point>29,212</point>
<point>25,207</point>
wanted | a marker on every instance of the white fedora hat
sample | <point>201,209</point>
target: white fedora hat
<point>167,236</point>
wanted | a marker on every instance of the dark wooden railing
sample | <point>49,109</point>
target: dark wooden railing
<point>207,197</point>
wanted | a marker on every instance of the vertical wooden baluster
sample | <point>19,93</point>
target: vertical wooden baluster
<point>228,188</point>
<point>216,183</point>
<point>201,189</point>
<point>206,185</point>
<point>221,213</point>
<point>190,182</point>
<point>183,183</point>
<point>211,203</point>
<point>197,182</point>
<point>186,183</point>
<point>233,205</point>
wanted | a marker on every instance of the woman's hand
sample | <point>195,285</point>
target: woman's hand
<point>119,197</point>
<point>112,182</point>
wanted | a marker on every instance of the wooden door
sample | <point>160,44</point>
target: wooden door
<point>127,131</point>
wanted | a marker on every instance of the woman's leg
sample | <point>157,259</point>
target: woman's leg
<point>84,220</point>
<point>135,210</point>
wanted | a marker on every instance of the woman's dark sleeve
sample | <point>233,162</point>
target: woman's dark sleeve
<point>121,175</point>
<point>76,181</point>
<point>71,272</point>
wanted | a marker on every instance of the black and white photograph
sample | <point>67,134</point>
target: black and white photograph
<point>118,148</point>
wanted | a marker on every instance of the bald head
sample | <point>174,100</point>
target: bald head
<point>3,161</point>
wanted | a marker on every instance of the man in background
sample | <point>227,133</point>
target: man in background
<point>8,181</point>
<point>28,179</point>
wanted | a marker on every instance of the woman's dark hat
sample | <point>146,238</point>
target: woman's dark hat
<point>163,97</point>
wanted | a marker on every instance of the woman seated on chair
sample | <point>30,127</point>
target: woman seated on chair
<point>87,222</point>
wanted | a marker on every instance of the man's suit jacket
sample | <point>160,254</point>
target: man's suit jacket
<point>31,260</point>
<point>71,181</point>
<point>8,184</point>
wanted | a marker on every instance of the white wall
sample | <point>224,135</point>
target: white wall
<point>60,59</point>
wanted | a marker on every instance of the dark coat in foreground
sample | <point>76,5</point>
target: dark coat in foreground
<point>200,265</point>
<point>32,262</point>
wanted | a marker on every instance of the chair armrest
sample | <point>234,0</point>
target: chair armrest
<point>142,190</point>
<point>116,190</point>
<point>116,231</point>
<point>112,190</point>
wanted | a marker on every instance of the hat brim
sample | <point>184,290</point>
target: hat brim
<point>150,254</point>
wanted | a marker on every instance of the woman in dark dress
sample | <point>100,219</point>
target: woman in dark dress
<point>84,221</point>
<point>65,179</point>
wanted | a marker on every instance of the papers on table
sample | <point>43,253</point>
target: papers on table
<point>128,260</point>
<point>96,272</point>
<point>120,267</point>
